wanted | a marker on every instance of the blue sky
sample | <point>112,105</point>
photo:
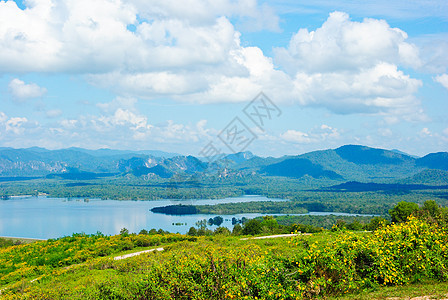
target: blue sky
<point>159,75</point>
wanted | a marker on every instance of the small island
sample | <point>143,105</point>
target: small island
<point>176,210</point>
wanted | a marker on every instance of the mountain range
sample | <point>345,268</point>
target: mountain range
<point>346,163</point>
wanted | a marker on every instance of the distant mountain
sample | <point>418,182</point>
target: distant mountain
<point>404,153</point>
<point>188,164</point>
<point>370,156</point>
<point>363,163</point>
<point>240,157</point>
<point>354,186</point>
<point>126,165</point>
<point>159,170</point>
<point>297,168</point>
<point>346,163</point>
<point>428,176</point>
<point>434,161</point>
<point>37,161</point>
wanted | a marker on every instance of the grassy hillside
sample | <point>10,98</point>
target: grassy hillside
<point>321,265</point>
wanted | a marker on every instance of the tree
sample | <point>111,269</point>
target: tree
<point>252,227</point>
<point>222,231</point>
<point>192,231</point>
<point>269,224</point>
<point>431,208</point>
<point>143,231</point>
<point>402,211</point>
<point>124,232</point>
<point>356,226</point>
<point>201,224</point>
<point>237,229</point>
<point>376,222</point>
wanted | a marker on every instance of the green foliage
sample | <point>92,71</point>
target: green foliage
<point>5,243</point>
<point>34,259</point>
<point>192,231</point>
<point>124,232</point>
<point>237,229</point>
<point>402,211</point>
<point>303,267</point>
<point>252,227</point>
<point>222,231</point>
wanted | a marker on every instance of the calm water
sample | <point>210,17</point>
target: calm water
<point>42,217</point>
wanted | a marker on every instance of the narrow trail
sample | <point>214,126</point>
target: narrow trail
<point>136,253</point>
<point>273,236</point>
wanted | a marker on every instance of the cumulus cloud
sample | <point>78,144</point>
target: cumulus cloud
<point>433,49</point>
<point>20,90</point>
<point>352,67</point>
<point>316,135</point>
<point>119,102</point>
<point>443,80</point>
<point>341,44</point>
<point>124,128</point>
<point>193,53</point>
<point>16,125</point>
<point>94,37</point>
<point>296,136</point>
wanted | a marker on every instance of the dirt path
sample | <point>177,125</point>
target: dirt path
<point>272,236</point>
<point>136,253</point>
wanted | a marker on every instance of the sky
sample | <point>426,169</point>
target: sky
<point>203,77</point>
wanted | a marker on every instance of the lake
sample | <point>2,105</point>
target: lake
<point>42,217</point>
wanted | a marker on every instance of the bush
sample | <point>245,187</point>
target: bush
<point>252,227</point>
<point>402,211</point>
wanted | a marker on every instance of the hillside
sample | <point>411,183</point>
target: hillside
<point>326,264</point>
<point>297,168</point>
<point>346,163</point>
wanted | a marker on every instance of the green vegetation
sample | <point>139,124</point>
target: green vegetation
<point>40,258</point>
<point>326,264</point>
<point>306,194</point>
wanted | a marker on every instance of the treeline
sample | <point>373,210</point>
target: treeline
<point>305,195</point>
<point>429,211</point>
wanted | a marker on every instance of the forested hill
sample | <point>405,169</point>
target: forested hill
<point>346,163</point>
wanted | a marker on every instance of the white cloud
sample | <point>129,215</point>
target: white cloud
<point>192,52</point>
<point>124,129</point>
<point>54,113</point>
<point>119,102</point>
<point>341,44</point>
<point>3,117</point>
<point>20,90</point>
<point>425,132</point>
<point>318,135</point>
<point>433,49</point>
<point>443,80</point>
<point>386,132</point>
<point>16,125</point>
<point>352,67</point>
<point>93,37</point>
<point>296,136</point>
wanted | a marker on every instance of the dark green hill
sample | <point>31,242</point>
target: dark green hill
<point>434,161</point>
<point>158,170</point>
<point>362,163</point>
<point>188,164</point>
<point>370,156</point>
<point>239,157</point>
<point>297,168</point>
<point>429,176</point>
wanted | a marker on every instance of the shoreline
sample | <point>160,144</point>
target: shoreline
<point>22,238</point>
